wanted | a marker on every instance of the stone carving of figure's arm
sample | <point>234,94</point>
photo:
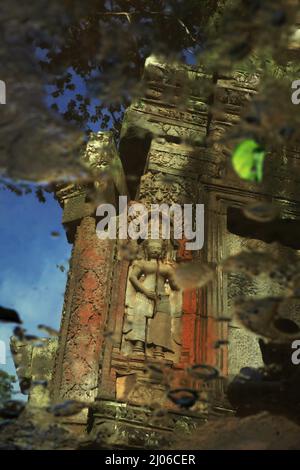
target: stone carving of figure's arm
<point>139,287</point>
<point>171,278</point>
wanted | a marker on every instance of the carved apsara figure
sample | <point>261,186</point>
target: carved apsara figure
<point>149,317</point>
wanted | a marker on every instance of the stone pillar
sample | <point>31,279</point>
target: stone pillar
<point>84,315</point>
<point>88,293</point>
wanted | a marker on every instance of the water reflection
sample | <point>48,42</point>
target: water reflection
<point>30,282</point>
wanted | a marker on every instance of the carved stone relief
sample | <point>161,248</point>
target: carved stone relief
<point>183,160</point>
<point>157,188</point>
<point>153,306</point>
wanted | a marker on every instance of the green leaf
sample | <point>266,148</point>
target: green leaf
<point>248,160</point>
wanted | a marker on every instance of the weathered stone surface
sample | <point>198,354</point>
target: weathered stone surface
<point>129,426</point>
<point>34,365</point>
<point>85,313</point>
<point>42,370</point>
<point>243,350</point>
<point>102,159</point>
<point>105,181</point>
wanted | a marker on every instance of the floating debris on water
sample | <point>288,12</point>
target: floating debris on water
<point>261,212</point>
<point>191,275</point>
<point>183,397</point>
<point>203,372</point>
<point>67,408</point>
<point>8,315</point>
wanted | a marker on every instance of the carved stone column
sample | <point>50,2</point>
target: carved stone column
<point>89,286</point>
<point>84,316</point>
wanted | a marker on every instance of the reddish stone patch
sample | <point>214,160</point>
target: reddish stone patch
<point>86,309</point>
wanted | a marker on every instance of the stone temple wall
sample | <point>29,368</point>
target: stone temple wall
<point>170,151</point>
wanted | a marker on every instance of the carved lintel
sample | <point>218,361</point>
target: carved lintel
<point>183,160</point>
<point>157,188</point>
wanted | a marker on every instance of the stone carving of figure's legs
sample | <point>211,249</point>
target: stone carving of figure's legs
<point>138,347</point>
<point>158,352</point>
